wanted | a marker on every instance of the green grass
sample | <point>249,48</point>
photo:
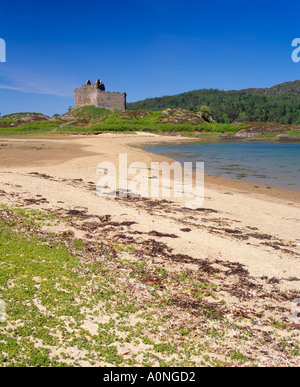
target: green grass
<point>89,112</point>
<point>9,118</point>
<point>50,289</point>
<point>49,292</point>
<point>25,265</point>
<point>294,133</point>
<point>53,284</point>
<point>36,127</point>
<point>238,356</point>
<point>90,119</point>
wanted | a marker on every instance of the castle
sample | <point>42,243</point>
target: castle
<point>95,94</point>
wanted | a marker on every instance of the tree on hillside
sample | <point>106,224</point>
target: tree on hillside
<point>225,119</point>
<point>205,112</point>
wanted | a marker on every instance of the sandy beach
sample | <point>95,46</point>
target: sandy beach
<point>243,209</point>
<point>246,233</point>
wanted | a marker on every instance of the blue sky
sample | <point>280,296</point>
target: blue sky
<point>144,48</point>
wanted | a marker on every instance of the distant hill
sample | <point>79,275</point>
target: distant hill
<point>286,89</point>
<point>280,103</point>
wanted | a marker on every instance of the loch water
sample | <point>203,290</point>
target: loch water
<point>267,163</point>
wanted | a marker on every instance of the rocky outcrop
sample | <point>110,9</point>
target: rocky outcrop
<point>18,119</point>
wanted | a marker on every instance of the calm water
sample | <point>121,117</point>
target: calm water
<point>274,164</point>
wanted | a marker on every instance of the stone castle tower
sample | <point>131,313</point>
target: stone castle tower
<point>95,94</point>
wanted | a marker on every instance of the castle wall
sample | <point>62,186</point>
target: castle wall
<point>111,100</point>
<point>85,95</point>
<point>91,95</point>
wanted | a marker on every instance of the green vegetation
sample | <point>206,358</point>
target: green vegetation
<point>70,302</point>
<point>280,103</point>
<point>286,89</point>
<point>206,112</point>
<point>89,112</point>
<point>52,291</point>
<point>90,119</point>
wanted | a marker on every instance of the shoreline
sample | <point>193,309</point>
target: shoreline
<point>72,151</point>
<point>180,274</point>
<point>215,181</point>
<point>230,211</point>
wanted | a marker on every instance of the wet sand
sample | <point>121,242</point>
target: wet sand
<point>36,152</point>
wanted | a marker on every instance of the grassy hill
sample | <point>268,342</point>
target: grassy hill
<point>280,103</point>
<point>286,89</point>
<point>90,119</point>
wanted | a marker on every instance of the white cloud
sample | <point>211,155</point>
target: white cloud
<point>28,82</point>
